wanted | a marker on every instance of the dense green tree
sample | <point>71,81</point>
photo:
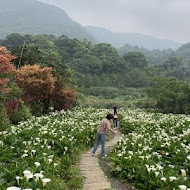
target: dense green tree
<point>108,56</point>
<point>174,67</point>
<point>135,59</point>
<point>153,57</point>
<point>66,47</point>
<point>136,78</point>
<point>170,94</point>
<point>13,42</point>
<point>86,64</point>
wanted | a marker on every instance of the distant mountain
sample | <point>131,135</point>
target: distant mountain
<point>120,39</point>
<point>34,17</point>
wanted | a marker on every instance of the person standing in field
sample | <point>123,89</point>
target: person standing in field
<point>115,118</point>
<point>102,130</point>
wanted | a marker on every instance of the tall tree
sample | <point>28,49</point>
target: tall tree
<point>36,82</point>
<point>6,68</point>
<point>135,59</point>
<point>170,94</point>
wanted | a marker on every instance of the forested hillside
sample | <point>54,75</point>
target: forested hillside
<point>95,65</point>
<point>100,64</point>
<point>100,73</point>
<point>168,62</point>
<point>34,17</point>
<point>154,57</point>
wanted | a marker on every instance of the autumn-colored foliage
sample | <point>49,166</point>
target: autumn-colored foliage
<point>36,82</point>
<point>41,87</point>
<point>69,98</point>
<point>63,97</point>
<point>33,89</point>
<point>6,68</point>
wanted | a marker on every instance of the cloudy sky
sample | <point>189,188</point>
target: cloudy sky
<point>165,19</point>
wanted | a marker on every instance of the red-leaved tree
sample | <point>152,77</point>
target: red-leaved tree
<point>37,83</point>
<point>63,98</point>
<point>6,68</point>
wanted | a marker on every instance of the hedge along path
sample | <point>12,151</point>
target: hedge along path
<point>95,178</point>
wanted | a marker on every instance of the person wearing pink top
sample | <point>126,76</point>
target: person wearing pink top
<point>115,118</point>
<point>102,130</point>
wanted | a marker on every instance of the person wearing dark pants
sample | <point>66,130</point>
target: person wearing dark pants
<point>115,118</point>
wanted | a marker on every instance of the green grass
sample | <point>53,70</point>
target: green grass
<point>107,97</point>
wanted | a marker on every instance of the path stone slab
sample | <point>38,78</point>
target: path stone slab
<point>95,179</point>
<point>92,174</point>
<point>89,164</point>
<point>97,186</point>
<point>89,168</point>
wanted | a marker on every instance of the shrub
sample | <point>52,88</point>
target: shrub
<point>22,113</point>
<point>4,121</point>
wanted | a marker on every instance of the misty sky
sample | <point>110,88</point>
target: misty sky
<point>165,19</point>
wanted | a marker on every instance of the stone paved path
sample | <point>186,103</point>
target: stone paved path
<point>90,169</point>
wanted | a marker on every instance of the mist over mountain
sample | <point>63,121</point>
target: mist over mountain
<point>34,17</point>
<point>120,39</point>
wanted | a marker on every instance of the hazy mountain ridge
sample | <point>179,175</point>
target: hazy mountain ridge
<point>120,39</point>
<point>35,17</point>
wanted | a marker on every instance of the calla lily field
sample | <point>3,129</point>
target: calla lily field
<point>155,151</point>
<point>43,152</point>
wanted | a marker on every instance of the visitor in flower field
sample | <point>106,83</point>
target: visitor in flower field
<point>102,130</point>
<point>115,118</point>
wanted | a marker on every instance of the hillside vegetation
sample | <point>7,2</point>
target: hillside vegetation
<point>128,80</point>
